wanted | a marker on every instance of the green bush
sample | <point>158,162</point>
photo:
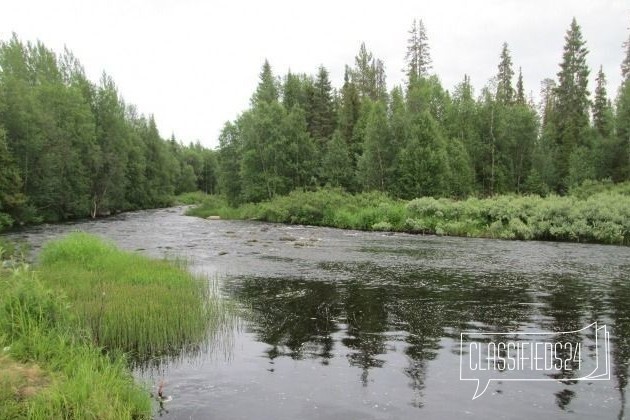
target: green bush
<point>593,212</point>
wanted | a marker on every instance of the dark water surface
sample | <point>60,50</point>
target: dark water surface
<point>356,325</point>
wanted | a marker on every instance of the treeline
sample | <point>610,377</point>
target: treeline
<point>72,148</point>
<point>422,140</point>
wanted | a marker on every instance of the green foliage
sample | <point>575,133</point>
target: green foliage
<point>336,163</point>
<point>146,308</point>
<point>424,166</point>
<point>423,141</point>
<point>505,91</point>
<point>621,143</point>
<point>267,90</point>
<point>572,103</point>
<point>418,58</point>
<point>376,164</point>
<point>64,328</point>
<point>49,369</point>
<point>322,114</point>
<point>593,212</point>
<point>196,197</point>
<point>70,148</point>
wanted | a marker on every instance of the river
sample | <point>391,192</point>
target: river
<point>362,325</point>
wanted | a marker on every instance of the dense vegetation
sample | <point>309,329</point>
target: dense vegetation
<point>70,148</point>
<point>420,140</point>
<point>64,328</point>
<point>128,302</point>
<point>591,213</point>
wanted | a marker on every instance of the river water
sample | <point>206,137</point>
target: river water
<point>341,324</point>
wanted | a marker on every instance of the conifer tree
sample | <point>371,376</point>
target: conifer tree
<point>323,120</point>
<point>363,74</point>
<point>572,103</point>
<point>418,56</point>
<point>267,90</point>
<point>505,91</point>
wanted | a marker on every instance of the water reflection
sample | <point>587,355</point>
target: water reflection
<point>360,318</point>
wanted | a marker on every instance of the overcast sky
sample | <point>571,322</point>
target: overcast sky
<point>194,64</point>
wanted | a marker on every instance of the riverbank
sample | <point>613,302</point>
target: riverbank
<point>594,213</point>
<point>71,330</point>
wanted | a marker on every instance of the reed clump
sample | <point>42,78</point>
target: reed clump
<point>146,308</point>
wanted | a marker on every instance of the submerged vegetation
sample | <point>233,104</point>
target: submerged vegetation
<point>71,330</point>
<point>595,212</point>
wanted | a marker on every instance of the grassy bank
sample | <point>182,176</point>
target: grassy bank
<point>48,368</point>
<point>70,330</point>
<point>598,213</point>
<point>147,308</point>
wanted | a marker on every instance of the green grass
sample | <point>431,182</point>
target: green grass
<point>71,330</point>
<point>49,368</point>
<point>146,308</point>
<point>594,212</point>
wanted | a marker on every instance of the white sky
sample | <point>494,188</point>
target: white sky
<point>194,64</point>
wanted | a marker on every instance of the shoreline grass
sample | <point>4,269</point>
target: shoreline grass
<point>147,308</point>
<point>593,213</point>
<point>72,330</point>
<point>50,368</point>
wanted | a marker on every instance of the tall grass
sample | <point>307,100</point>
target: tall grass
<point>48,368</point>
<point>70,331</point>
<point>146,308</point>
<point>594,212</point>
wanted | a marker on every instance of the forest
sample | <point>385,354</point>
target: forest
<point>420,139</point>
<point>72,148</point>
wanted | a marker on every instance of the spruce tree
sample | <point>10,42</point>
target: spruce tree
<point>505,91</point>
<point>572,103</point>
<point>323,116</point>
<point>267,90</point>
<point>418,57</point>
